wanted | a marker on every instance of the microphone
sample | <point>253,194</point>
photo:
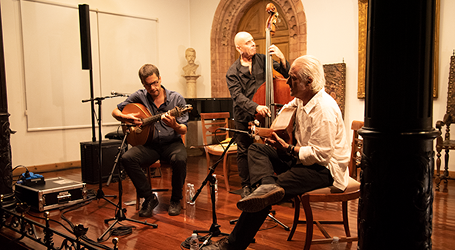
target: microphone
<point>237,131</point>
<point>119,94</point>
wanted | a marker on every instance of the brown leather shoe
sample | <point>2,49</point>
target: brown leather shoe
<point>222,244</point>
<point>264,196</point>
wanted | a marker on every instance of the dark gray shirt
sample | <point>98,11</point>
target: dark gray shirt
<point>243,85</point>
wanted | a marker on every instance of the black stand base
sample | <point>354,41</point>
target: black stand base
<point>100,195</point>
<point>271,215</point>
<point>120,216</point>
<point>214,231</point>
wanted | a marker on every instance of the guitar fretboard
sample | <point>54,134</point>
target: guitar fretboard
<point>152,119</point>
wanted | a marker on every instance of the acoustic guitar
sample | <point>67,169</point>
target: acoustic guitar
<point>139,134</point>
<point>283,126</point>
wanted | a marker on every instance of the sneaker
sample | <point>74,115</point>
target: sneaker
<point>246,191</point>
<point>147,206</point>
<point>174,208</point>
<point>264,196</point>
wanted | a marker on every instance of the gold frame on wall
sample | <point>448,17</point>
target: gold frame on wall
<point>363,17</point>
<point>335,84</point>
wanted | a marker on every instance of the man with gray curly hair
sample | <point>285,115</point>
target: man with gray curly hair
<point>281,170</point>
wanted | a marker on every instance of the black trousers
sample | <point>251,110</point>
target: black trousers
<point>243,142</point>
<point>142,156</point>
<point>265,161</point>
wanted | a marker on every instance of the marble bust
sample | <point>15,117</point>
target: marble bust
<point>190,68</point>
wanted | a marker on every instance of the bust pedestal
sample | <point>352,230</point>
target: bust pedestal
<point>191,85</point>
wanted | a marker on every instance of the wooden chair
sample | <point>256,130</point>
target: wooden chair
<point>211,122</point>
<point>157,166</point>
<point>352,192</point>
<point>448,119</point>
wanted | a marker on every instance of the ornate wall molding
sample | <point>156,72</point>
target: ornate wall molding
<point>224,27</point>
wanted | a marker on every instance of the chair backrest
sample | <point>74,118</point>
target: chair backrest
<point>356,148</point>
<point>211,122</point>
<point>449,116</point>
<point>450,112</point>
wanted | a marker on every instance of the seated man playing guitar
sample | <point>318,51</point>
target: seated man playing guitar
<point>319,157</point>
<point>162,137</point>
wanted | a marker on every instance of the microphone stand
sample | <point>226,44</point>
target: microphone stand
<point>214,228</point>
<point>120,214</point>
<point>100,194</point>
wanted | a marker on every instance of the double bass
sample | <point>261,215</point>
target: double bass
<point>275,92</point>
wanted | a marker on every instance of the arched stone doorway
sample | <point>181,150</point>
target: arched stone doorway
<point>224,27</point>
<point>255,21</point>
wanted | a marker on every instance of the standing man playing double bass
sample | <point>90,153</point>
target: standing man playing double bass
<point>243,78</point>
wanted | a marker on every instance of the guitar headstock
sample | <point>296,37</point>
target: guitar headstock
<point>179,111</point>
<point>187,108</point>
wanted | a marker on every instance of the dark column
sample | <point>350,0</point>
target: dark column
<point>5,146</point>
<point>395,206</point>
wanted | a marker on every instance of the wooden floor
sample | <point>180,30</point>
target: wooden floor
<point>173,230</point>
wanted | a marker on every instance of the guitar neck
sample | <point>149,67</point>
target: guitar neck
<point>154,118</point>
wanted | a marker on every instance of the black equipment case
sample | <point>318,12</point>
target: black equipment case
<point>54,193</point>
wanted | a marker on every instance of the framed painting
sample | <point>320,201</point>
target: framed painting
<point>363,19</point>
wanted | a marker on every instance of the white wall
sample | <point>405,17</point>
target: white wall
<point>332,37</point>
<point>201,14</point>
<point>47,147</point>
<point>446,50</point>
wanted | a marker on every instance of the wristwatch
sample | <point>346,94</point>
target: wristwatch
<point>291,149</point>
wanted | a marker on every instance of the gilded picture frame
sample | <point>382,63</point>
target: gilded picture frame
<point>335,84</point>
<point>363,17</point>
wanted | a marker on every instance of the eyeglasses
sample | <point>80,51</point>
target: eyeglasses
<point>148,85</point>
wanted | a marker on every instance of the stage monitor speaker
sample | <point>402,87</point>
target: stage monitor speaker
<point>84,27</point>
<point>90,160</point>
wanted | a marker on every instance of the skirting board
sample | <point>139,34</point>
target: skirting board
<point>77,164</point>
<point>48,167</point>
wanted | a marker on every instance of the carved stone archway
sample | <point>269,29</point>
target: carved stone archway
<point>224,27</point>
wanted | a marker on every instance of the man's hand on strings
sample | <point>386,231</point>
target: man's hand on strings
<point>277,142</point>
<point>132,118</point>
<point>274,50</point>
<point>263,110</point>
<point>169,120</point>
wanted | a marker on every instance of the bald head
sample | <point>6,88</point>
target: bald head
<point>242,37</point>
<point>244,44</point>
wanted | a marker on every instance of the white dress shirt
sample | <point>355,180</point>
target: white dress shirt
<point>321,135</point>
